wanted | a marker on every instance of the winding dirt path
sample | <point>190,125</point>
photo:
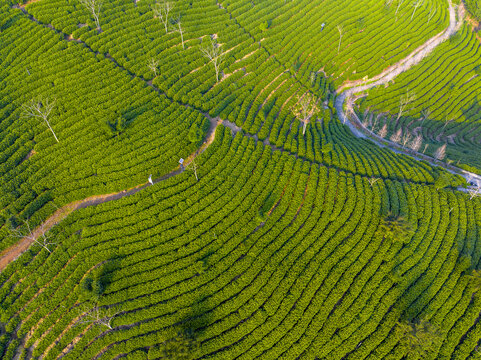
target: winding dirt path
<point>347,94</point>
<point>13,252</point>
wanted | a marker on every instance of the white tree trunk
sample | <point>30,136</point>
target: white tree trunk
<point>48,124</point>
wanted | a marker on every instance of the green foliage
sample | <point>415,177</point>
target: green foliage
<point>395,228</point>
<point>443,180</point>
<point>475,279</point>
<point>196,133</point>
<point>360,23</point>
<point>116,127</point>
<point>314,280</point>
<point>477,69</point>
<point>180,347</point>
<point>474,7</point>
<point>93,287</point>
<point>264,25</point>
<point>418,338</point>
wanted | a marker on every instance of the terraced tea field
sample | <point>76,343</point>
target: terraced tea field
<point>205,180</point>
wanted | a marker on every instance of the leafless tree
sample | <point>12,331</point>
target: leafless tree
<point>98,316</point>
<point>305,108</point>
<point>440,153</point>
<point>425,148</point>
<point>213,53</point>
<point>39,108</point>
<point>153,65</point>
<point>416,143</point>
<point>400,2</point>
<point>93,6</point>
<point>404,101</point>
<point>339,28</point>
<point>446,122</point>
<point>431,14</point>
<point>180,30</point>
<point>372,181</point>
<point>383,131</point>
<point>161,11</point>
<point>41,239</point>
<point>474,192</point>
<point>365,118</point>
<point>397,136</point>
<point>375,123</point>
<point>416,4</point>
<point>425,113</point>
<point>193,167</point>
<point>406,138</point>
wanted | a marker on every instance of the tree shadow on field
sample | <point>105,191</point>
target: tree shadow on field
<point>196,321</point>
<point>183,339</point>
<point>472,112</point>
<point>9,21</point>
<point>418,330</point>
<point>99,279</point>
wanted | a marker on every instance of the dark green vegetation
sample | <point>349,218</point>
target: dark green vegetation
<point>330,272</point>
<point>474,7</point>
<point>287,246</point>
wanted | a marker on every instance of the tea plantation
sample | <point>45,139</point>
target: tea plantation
<point>176,182</point>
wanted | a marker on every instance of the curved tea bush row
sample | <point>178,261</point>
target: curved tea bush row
<point>275,259</point>
<point>91,89</point>
<point>374,36</point>
<point>90,158</point>
<point>256,92</point>
<point>446,85</point>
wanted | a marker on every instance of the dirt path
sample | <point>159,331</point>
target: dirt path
<point>347,91</point>
<point>412,59</point>
<point>10,254</point>
<point>13,252</point>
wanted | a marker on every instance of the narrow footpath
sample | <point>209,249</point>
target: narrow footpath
<point>346,95</point>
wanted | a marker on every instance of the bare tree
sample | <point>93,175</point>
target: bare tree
<point>383,131</point>
<point>153,64</point>
<point>372,181</point>
<point>397,136</point>
<point>161,11</point>
<point>474,192</point>
<point>440,153</point>
<point>98,316</point>
<point>400,2</point>
<point>404,101</point>
<point>416,4</point>
<point>305,108</point>
<point>431,14</point>
<point>416,143</point>
<point>406,138</point>
<point>42,238</point>
<point>425,148</point>
<point>213,53</point>
<point>193,167</point>
<point>425,113</point>
<point>93,6</point>
<point>339,28</point>
<point>180,30</point>
<point>447,121</point>
<point>39,108</point>
<point>375,123</point>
